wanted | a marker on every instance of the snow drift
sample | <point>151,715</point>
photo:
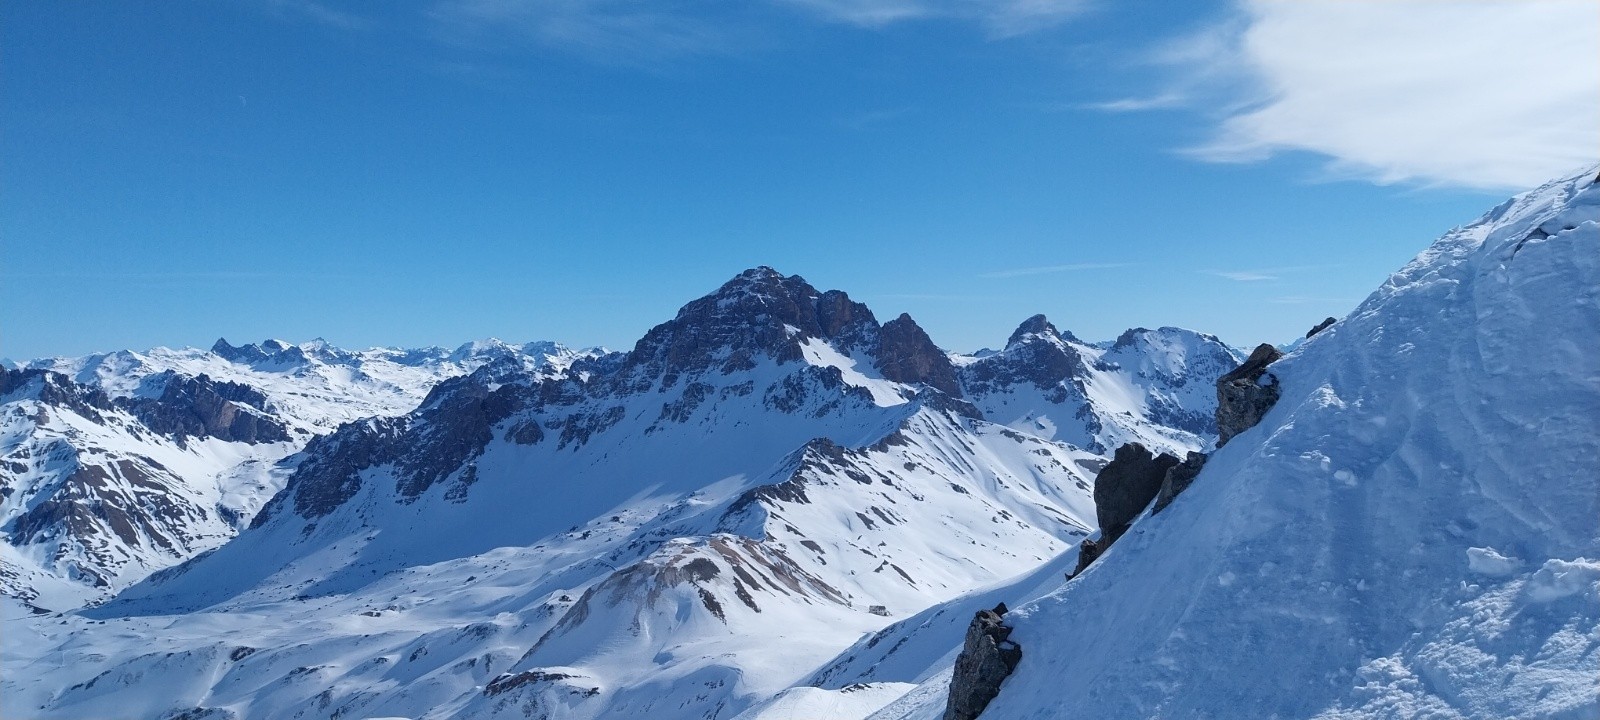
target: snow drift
<point>1413,530</point>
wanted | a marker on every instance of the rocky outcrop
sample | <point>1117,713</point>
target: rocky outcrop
<point>199,407</point>
<point>1037,353</point>
<point>907,355</point>
<point>438,442</point>
<point>1324,325</point>
<point>761,312</point>
<point>53,388</point>
<point>1122,490</point>
<point>1178,479</point>
<point>987,657</point>
<point>273,352</point>
<point>1245,395</point>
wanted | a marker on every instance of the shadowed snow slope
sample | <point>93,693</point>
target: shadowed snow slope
<point>1411,531</point>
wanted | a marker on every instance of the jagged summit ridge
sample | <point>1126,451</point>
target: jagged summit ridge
<point>763,313</point>
<point>1149,386</point>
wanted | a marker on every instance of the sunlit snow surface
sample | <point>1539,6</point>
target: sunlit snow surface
<point>635,574</point>
<point>191,496</point>
<point>1413,531</point>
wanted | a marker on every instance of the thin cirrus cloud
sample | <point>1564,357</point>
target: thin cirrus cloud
<point>1048,269</point>
<point>649,30</point>
<point>1261,275</point>
<point>1490,95</point>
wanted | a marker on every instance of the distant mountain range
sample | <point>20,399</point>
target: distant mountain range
<point>776,505</point>
<point>772,454</point>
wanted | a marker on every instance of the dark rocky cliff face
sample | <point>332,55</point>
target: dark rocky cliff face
<point>907,355</point>
<point>1178,479</point>
<point>1127,484</point>
<point>1036,356</point>
<point>1245,395</point>
<point>763,313</point>
<point>758,313</point>
<point>53,388</point>
<point>439,442</point>
<point>199,407</point>
<point>1122,490</point>
<point>987,657</point>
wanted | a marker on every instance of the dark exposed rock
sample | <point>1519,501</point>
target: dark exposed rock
<point>274,352</point>
<point>1037,325</point>
<point>1245,395</point>
<point>907,355</point>
<point>199,407</point>
<point>201,713</point>
<point>1324,325</point>
<point>53,388</point>
<point>1122,490</point>
<point>1127,484</point>
<point>762,312</point>
<point>443,436</point>
<point>1178,479</point>
<point>246,354</point>
<point>940,401</point>
<point>1035,355</point>
<point>130,498</point>
<point>511,681</point>
<point>759,312</point>
<point>331,473</point>
<point>987,657</point>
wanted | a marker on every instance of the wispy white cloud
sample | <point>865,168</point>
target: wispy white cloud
<point>1047,269</point>
<point>647,30</point>
<point>1492,94</point>
<point>1160,101</point>
<point>1000,18</point>
<point>1245,275</point>
<point>1261,275</point>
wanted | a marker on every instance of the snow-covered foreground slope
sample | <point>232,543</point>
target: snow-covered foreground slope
<point>117,465</point>
<point>1412,531</point>
<point>685,530</point>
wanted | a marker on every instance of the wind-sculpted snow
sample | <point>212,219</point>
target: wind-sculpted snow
<point>1409,532</point>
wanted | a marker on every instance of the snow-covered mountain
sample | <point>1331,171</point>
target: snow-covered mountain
<point>1410,531</point>
<point>683,530</point>
<point>116,465</point>
<point>1154,387</point>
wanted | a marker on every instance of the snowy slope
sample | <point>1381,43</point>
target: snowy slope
<point>1410,532</point>
<point>682,531</point>
<point>1155,387</point>
<point>113,466</point>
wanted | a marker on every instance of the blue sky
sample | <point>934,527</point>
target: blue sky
<point>426,173</point>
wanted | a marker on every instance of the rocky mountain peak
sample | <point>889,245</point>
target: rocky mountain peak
<point>1038,325</point>
<point>906,354</point>
<point>273,351</point>
<point>760,312</point>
